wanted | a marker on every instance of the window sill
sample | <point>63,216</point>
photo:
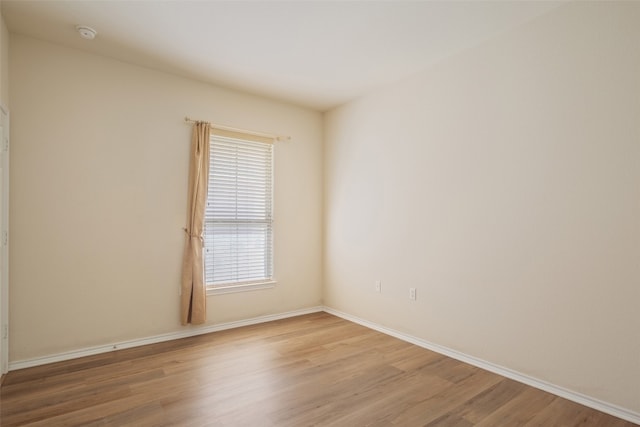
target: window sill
<point>232,289</point>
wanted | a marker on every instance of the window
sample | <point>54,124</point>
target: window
<point>238,219</point>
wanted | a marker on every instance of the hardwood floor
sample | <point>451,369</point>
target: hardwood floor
<point>315,370</point>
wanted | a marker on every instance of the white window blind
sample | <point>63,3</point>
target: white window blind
<point>238,217</point>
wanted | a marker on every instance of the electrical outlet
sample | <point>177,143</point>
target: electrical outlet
<point>378,286</point>
<point>412,294</point>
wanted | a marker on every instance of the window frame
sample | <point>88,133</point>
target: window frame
<point>243,286</point>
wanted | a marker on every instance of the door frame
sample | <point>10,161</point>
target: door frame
<point>4,241</point>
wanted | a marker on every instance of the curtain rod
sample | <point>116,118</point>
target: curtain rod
<point>248,132</point>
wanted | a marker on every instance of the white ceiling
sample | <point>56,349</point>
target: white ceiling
<point>319,54</point>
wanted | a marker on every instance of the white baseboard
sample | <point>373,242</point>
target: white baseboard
<point>582,399</point>
<point>188,332</point>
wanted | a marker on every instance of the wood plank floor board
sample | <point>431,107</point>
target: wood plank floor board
<point>312,370</point>
<point>447,400</point>
<point>563,413</point>
<point>519,410</point>
<point>326,403</point>
<point>405,393</point>
<point>489,401</point>
<point>450,420</point>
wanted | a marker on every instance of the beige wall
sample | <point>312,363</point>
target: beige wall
<point>98,200</point>
<point>504,186</point>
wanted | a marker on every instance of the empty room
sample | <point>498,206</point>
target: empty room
<point>320,213</point>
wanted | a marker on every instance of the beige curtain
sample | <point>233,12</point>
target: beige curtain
<point>194,293</point>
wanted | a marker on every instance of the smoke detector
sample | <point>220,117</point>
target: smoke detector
<point>86,32</point>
